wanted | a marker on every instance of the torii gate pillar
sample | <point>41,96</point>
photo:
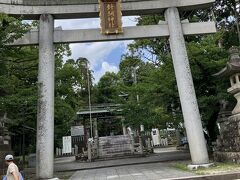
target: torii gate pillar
<point>45,115</point>
<point>192,120</point>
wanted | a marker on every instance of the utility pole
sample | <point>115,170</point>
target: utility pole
<point>139,133</point>
<point>89,100</point>
<point>135,79</point>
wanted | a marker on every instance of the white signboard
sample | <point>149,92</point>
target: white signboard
<point>155,137</point>
<point>77,131</point>
<point>67,145</point>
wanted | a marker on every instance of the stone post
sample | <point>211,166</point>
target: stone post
<point>57,152</point>
<point>140,144</point>
<point>186,89</point>
<point>95,127</point>
<point>45,116</point>
<point>96,138</point>
<point>132,147</point>
<point>124,127</point>
<point>149,147</point>
<point>89,150</point>
<point>140,141</point>
<point>178,137</point>
<point>76,150</point>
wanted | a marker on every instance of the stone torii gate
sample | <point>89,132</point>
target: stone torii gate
<point>47,10</point>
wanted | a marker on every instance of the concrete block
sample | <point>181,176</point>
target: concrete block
<point>197,166</point>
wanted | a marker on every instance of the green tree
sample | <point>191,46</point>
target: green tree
<point>157,87</point>
<point>107,88</point>
<point>70,94</point>
<point>18,84</point>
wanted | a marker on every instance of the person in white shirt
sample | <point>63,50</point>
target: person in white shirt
<point>12,171</point>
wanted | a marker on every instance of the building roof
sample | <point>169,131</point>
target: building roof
<point>100,109</point>
<point>93,112</point>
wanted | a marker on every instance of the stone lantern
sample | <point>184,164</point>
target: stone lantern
<point>228,142</point>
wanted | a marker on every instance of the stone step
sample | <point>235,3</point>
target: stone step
<point>116,148</point>
<point>114,154</point>
<point>113,146</point>
<point>116,143</point>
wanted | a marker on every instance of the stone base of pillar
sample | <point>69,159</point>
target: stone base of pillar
<point>228,143</point>
<point>194,167</point>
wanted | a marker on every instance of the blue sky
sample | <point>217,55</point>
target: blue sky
<point>103,56</point>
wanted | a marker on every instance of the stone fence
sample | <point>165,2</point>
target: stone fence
<point>59,152</point>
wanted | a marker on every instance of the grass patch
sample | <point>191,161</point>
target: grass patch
<point>180,166</point>
<point>217,168</point>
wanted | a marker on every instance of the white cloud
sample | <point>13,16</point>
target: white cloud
<point>106,67</point>
<point>97,52</point>
<point>78,23</point>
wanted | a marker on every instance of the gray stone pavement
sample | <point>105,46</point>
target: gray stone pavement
<point>153,167</point>
<point>154,171</point>
<point>68,164</point>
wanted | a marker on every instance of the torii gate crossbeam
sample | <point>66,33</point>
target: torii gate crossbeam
<point>76,9</point>
<point>46,37</point>
<point>130,33</point>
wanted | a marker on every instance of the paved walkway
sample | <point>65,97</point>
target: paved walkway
<point>152,167</point>
<point>155,171</point>
<point>68,164</point>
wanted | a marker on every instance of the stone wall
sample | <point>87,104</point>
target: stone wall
<point>228,142</point>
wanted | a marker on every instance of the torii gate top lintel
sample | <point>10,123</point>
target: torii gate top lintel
<point>69,9</point>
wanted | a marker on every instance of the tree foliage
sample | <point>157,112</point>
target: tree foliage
<point>18,84</point>
<point>145,84</point>
<point>159,104</point>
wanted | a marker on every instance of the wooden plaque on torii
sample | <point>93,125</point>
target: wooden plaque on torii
<point>111,16</point>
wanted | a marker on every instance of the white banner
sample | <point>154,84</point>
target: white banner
<point>67,144</point>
